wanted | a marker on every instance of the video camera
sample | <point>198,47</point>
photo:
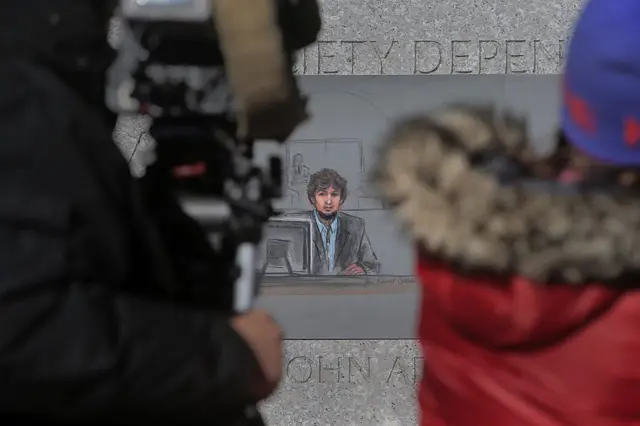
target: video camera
<point>171,67</point>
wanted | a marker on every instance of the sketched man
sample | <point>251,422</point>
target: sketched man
<point>298,172</point>
<point>342,243</point>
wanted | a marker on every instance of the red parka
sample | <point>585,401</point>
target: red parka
<point>529,315</point>
<point>512,352</point>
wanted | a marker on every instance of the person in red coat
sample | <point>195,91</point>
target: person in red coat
<point>530,264</point>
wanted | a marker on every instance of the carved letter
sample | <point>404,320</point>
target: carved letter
<point>562,48</point>
<point>382,56</point>
<point>299,360</point>
<point>323,55</point>
<point>397,365</point>
<point>457,55</point>
<point>322,368</point>
<point>547,56</point>
<point>510,55</point>
<point>353,365</point>
<point>352,53</point>
<point>427,47</point>
<point>418,366</point>
<point>487,50</point>
<point>300,66</point>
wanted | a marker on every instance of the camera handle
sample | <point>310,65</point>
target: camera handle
<point>251,188</point>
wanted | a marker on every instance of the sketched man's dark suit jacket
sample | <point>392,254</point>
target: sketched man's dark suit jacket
<point>352,246</point>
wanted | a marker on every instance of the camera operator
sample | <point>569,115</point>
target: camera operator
<point>96,323</point>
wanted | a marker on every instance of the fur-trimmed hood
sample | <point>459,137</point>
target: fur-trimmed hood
<point>458,179</point>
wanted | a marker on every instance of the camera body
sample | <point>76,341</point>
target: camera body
<point>169,62</point>
<point>167,10</point>
<point>170,67</point>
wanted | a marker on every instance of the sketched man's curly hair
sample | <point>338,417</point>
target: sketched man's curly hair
<point>322,180</point>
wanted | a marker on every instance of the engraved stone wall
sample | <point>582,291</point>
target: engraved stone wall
<point>371,382</point>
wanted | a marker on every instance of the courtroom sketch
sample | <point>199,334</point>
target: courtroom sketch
<point>287,247</point>
<point>298,172</point>
<point>339,242</point>
<point>304,156</point>
<point>297,177</point>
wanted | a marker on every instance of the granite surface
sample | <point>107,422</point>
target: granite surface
<point>440,37</point>
<point>371,382</point>
<point>347,383</point>
<point>373,37</point>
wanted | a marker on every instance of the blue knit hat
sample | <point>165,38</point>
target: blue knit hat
<point>601,93</point>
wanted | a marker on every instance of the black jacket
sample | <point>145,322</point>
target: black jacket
<point>89,329</point>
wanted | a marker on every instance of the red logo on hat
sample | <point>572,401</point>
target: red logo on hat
<point>580,111</point>
<point>631,131</point>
